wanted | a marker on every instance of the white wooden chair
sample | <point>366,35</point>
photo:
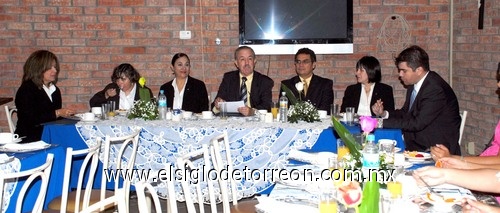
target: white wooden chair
<point>218,144</point>
<point>463,114</point>
<point>41,172</point>
<point>188,160</point>
<point>87,172</point>
<point>97,195</point>
<point>143,187</point>
<point>9,111</point>
<point>115,200</point>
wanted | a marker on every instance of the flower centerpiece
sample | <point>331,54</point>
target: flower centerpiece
<point>300,110</point>
<point>144,108</point>
<point>370,197</point>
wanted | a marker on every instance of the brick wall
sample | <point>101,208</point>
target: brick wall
<point>475,60</point>
<point>92,37</point>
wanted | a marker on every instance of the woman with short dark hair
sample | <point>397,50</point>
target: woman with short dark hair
<point>123,90</point>
<point>368,90</point>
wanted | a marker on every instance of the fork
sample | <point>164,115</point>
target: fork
<point>430,188</point>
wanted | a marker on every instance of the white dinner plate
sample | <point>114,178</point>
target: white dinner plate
<point>26,147</point>
<point>411,158</point>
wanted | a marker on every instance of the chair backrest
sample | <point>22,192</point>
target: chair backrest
<point>143,203</point>
<point>128,151</point>
<point>463,114</point>
<point>189,161</point>
<point>116,200</point>
<point>87,172</point>
<point>9,111</point>
<point>218,144</point>
<point>41,172</point>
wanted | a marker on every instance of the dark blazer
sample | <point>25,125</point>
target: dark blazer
<point>319,92</point>
<point>195,95</point>
<point>433,119</point>
<point>34,108</point>
<point>381,91</point>
<point>261,94</point>
<point>99,98</point>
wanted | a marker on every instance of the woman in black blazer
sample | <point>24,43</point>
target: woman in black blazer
<point>185,92</point>
<point>38,100</point>
<point>368,90</point>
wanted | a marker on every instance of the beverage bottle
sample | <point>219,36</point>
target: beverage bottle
<point>162,106</point>
<point>371,158</point>
<point>283,108</point>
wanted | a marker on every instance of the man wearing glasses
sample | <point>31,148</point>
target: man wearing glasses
<point>317,90</point>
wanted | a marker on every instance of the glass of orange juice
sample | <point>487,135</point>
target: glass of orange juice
<point>341,149</point>
<point>395,188</point>
<point>327,202</point>
<point>274,109</point>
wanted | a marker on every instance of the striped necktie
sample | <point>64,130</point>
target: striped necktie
<point>243,89</point>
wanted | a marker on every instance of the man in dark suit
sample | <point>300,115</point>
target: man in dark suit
<point>432,115</point>
<point>318,90</point>
<point>245,84</point>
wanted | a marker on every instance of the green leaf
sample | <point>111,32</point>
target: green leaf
<point>347,137</point>
<point>289,94</point>
<point>144,94</point>
<point>371,195</point>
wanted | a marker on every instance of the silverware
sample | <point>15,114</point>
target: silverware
<point>430,188</point>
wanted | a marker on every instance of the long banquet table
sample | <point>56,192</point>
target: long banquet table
<point>256,145</point>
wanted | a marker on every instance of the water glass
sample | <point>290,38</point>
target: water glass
<point>223,110</point>
<point>349,115</point>
<point>334,109</point>
<point>112,106</point>
<point>105,110</point>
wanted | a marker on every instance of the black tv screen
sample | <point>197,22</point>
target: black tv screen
<point>322,25</point>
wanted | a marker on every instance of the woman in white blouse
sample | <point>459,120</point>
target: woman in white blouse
<point>368,90</point>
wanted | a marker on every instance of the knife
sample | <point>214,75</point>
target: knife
<point>430,188</point>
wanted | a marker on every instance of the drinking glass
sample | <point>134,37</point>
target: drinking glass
<point>223,110</point>
<point>349,112</point>
<point>274,109</point>
<point>105,111</point>
<point>334,109</point>
<point>395,188</point>
<point>328,201</point>
<point>341,149</point>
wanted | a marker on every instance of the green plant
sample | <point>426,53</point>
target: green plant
<point>146,110</point>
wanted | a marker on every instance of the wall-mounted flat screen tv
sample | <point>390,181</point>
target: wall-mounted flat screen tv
<point>283,26</point>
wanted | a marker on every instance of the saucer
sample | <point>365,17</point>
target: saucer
<point>90,121</point>
<point>13,141</point>
<point>207,118</point>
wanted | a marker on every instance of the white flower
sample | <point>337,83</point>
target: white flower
<point>300,86</point>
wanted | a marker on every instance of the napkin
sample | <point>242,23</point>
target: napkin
<point>317,158</point>
<point>270,205</point>
<point>26,146</point>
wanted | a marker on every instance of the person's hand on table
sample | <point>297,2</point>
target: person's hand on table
<point>439,151</point>
<point>217,101</point>
<point>450,162</point>
<point>64,112</point>
<point>246,111</point>
<point>111,92</point>
<point>470,206</point>
<point>431,175</point>
<point>378,108</point>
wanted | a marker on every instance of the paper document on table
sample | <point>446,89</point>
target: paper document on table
<point>232,106</point>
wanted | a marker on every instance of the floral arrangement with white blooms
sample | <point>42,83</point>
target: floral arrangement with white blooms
<point>300,110</point>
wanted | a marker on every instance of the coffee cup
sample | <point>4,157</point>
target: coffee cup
<point>322,114</point>
<point>88,116</point>
<point>96,110</point>
<point>207,114</point>
<point>7,137</point>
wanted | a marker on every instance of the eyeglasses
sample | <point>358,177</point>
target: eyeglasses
<point>307,61</point>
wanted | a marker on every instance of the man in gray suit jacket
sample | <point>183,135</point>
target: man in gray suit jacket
<point>430,114</point>
<point>258,87</point>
